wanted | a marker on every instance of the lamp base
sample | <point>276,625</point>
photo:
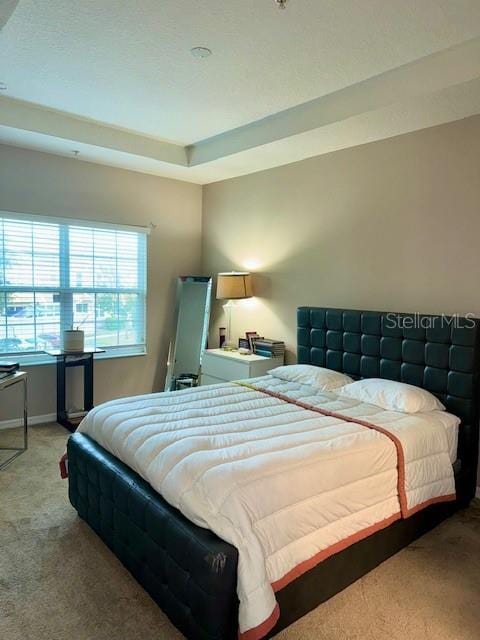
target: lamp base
<point>228,308</point>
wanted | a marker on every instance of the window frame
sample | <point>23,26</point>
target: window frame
<point>66,292</point>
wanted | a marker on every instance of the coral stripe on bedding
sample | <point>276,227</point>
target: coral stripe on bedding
<point>267,625</point>
<point>306,565</point>
<point>402,496</point>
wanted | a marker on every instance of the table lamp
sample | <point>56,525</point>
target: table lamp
<point>231,286</point>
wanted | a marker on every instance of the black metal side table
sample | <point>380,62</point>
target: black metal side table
<point>8,381</point>
<point>65,360</point>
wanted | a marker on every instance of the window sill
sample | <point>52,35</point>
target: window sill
<point>43,359</point>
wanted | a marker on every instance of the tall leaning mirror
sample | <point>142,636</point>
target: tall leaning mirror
<point>192,316</point>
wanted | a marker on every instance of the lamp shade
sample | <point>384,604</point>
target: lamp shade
<point>234,286</point>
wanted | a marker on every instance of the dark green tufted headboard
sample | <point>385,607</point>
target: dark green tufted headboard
<point>439,353</point>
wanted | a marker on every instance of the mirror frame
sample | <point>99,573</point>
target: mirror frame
<point>173,342</point>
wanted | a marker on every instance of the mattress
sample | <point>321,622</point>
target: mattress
<point>283,472</point>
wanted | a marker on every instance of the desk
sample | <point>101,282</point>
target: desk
<point>67,359</point>
<point>8,381</point>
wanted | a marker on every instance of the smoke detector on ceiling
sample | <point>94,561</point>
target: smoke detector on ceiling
<point>200,52</point>
<point>281,4</point>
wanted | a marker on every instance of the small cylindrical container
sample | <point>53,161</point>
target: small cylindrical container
<point>73,340</point>
<point>222,336</point>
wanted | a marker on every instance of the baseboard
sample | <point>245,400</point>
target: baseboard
<point>32,420</point>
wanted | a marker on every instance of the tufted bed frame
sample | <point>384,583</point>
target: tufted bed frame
<point>189,571</point>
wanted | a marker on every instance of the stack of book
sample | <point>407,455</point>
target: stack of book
<point>7,367</point>
<point>269,348</point>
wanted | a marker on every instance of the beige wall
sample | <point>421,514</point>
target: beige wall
<point>35,182</point>
<point>392,225</point>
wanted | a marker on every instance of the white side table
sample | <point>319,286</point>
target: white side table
<point>18,376</point>
<point>224,366</point>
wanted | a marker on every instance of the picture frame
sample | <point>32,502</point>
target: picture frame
<point>251,337</point>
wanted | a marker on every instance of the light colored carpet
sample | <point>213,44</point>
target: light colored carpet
<point>58,580</point>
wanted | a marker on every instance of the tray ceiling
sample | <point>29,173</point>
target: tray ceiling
<point>117,81</point>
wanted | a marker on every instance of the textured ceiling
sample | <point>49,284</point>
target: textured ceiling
<point>127,64</point>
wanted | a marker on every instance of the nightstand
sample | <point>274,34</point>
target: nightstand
<point>223,366</point>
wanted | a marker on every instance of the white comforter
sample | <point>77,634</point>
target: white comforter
<point>284,484</point>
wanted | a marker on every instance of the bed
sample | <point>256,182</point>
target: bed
<point>191,572</point>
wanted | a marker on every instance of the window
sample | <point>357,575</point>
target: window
<point>57,274</point>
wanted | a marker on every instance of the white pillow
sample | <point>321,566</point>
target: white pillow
<point>318,377</point>
<point>391,395</point>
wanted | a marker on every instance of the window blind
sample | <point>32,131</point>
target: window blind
<point>62,274</point>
